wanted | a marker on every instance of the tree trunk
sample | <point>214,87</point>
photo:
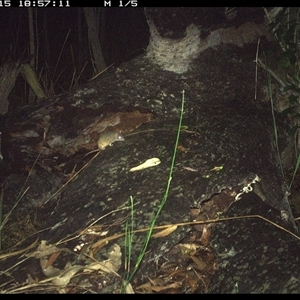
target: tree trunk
<point>93,35</point>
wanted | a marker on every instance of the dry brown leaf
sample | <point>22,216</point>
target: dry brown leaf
<point>205,237</point>
<point>199,262</point>
<point>52,259</point>
<point>182,148</point>
<point>174,285</point>
<point>165,232</point>
<point>48,270</point>
<point>114,259</point>
<point>188,249</point>
<point>110,265</point>
<point>64,278</point>
<point>193,281</point>
<point>44,250</point>
<point>144,286</point>
<point>178,272</point>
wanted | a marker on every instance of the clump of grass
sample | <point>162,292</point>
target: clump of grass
<point>285,25</point>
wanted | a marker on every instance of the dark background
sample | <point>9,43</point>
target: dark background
<point>63,51</point>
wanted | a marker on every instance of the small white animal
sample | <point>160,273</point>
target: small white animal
<point>108,138</point>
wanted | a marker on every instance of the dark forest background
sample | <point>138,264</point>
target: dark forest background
<point>63,56</point>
